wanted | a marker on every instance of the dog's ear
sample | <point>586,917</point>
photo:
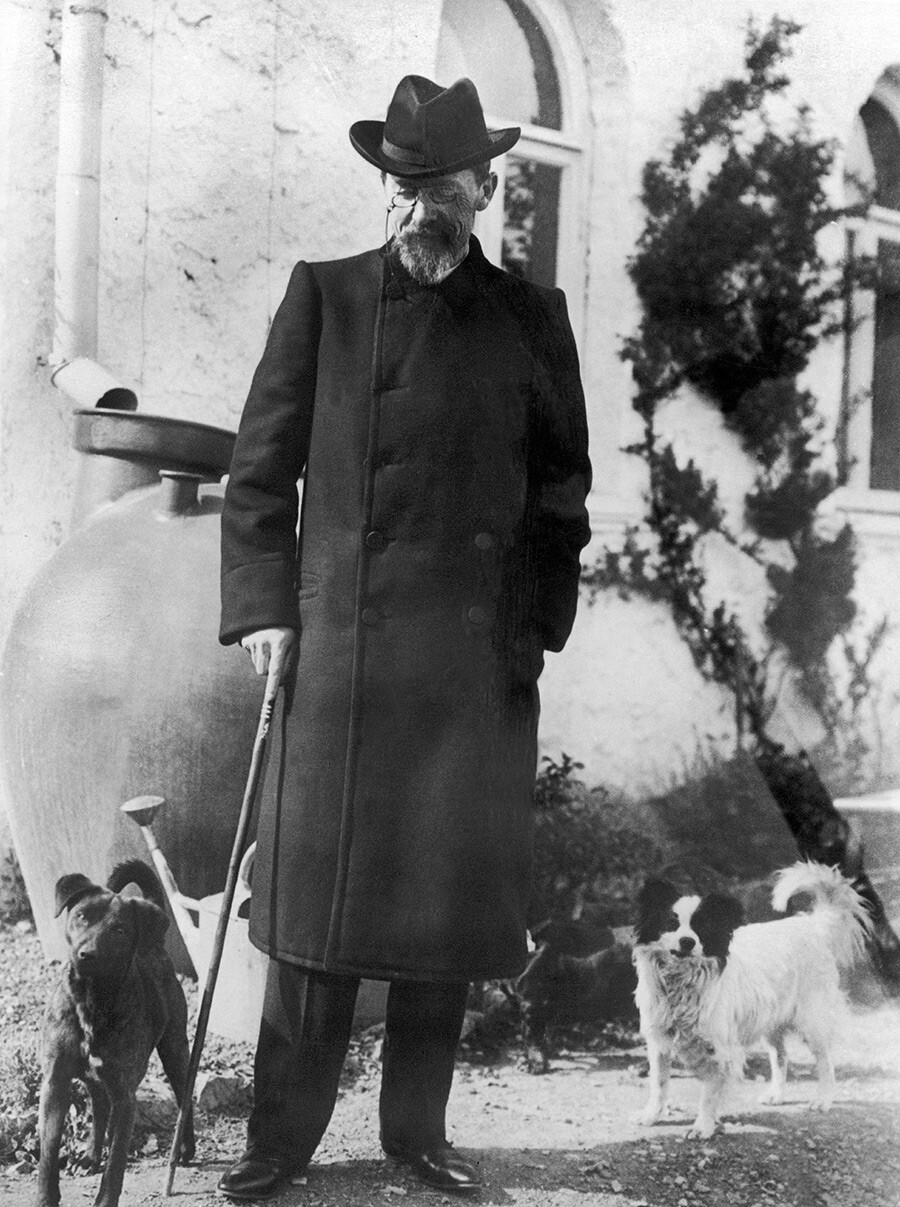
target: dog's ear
<point>71,888</point>
<point>150,921</point>
<point>654,902</point>
<point>714,921</point>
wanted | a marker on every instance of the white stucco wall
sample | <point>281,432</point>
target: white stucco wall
<point>36,467</point>
<point>226,158</point>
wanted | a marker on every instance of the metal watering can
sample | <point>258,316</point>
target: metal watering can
<point>235,1013</point>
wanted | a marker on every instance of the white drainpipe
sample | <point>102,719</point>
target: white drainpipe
<point>73,360</point>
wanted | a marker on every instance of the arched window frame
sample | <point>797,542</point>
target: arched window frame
<point>565,148</point>
<point>863,236</point>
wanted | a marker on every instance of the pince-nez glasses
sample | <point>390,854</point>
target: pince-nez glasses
<point>406,198</point>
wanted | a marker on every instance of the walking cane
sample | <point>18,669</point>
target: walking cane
<point>240,839</point>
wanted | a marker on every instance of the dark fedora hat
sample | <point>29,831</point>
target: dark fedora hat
<point>430,131</point>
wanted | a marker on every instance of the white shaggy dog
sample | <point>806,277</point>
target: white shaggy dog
<point>708,987</point>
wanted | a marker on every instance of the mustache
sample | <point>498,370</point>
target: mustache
<point>440,230</point>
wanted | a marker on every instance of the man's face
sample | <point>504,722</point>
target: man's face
<point>431,223</point>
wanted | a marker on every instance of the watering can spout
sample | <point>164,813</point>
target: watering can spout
<point>142,810</point>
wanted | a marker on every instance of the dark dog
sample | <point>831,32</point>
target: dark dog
<point>579,973</point>
<point>117,1000</point>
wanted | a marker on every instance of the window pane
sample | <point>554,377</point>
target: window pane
<point>886,372</point>
<point>531,214</point>
<point>502,48</point>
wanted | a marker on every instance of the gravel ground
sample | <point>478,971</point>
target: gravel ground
<point>565,1139</point>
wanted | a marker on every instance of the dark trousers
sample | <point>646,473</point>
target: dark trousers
<point>303,1039</point>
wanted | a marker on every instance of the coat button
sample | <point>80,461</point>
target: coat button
<point>477,615</point>
<point>484,540</point>
<point>374,541</point>
<point>370,616</point>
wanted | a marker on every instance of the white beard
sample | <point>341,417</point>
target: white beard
<point>433,249</point>
<point>425,262</point>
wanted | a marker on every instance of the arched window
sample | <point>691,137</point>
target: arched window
<point>872,373</point>
<point>531,226</point>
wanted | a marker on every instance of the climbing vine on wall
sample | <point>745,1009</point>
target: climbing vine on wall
<point>735,295</point>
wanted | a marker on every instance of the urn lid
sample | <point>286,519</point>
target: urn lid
<point>176,444</point>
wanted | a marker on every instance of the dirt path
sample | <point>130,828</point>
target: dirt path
<point>567,1140</point>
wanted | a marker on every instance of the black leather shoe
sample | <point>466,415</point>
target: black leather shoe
<point>439,1166</point>
<point>255,1177</point>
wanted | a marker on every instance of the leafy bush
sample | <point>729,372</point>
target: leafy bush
<point>14,903</point>
<point>813,602</point>
<point>590,846</point>
<point>565,839</point>
<point>20,1087</point>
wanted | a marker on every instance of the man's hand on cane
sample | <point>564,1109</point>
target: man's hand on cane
<point>273,647</point>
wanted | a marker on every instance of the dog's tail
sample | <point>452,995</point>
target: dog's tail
<point>834,897</point>
<point>135,871</point>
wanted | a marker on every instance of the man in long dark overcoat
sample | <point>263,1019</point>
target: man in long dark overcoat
<point>433,404</point>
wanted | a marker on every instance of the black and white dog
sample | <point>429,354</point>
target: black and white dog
<point>708,987</point>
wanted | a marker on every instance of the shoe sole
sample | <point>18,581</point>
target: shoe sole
<point>407,1163</point>
<point>249,1198</point>
<point>230,1196</point>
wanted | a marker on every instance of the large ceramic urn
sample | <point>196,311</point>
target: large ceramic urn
<point>113,682</point>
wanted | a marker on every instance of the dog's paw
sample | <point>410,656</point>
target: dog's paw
<point>703,1129</point>
<point>770,1097</point>
<point>821,1104</point>
<point>650,1115</point>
